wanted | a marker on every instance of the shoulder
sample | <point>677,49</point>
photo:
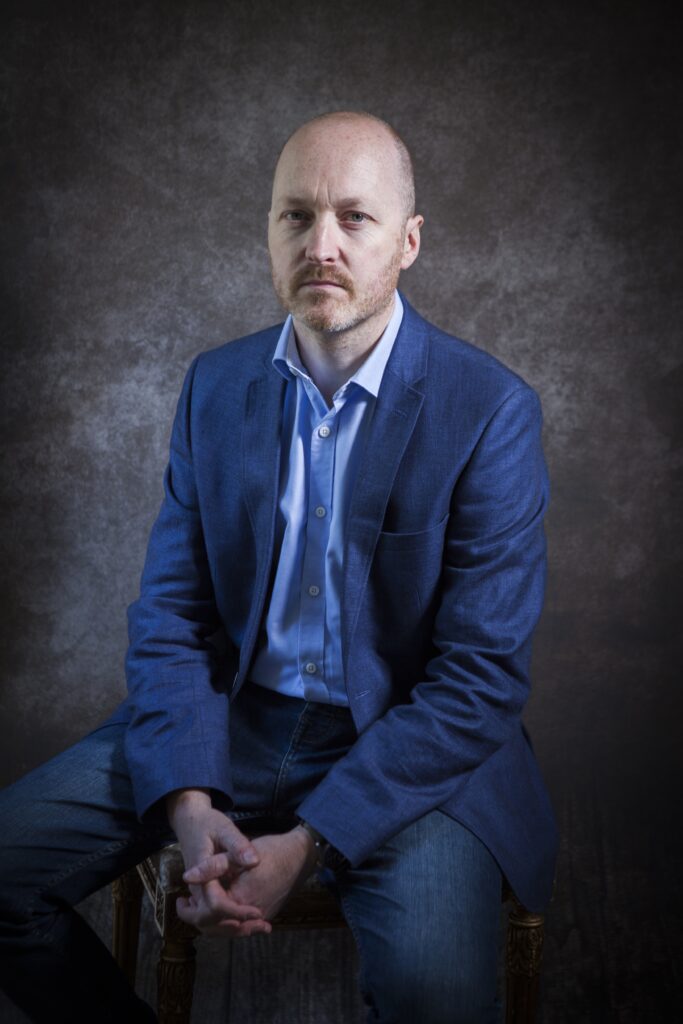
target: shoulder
<point>245,353</point>
<point>457,372</point>
<point>450,358</point>
<point>230,367</point>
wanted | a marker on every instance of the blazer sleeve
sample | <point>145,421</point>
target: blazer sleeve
<point>178,717</point>
<point>471,696</point>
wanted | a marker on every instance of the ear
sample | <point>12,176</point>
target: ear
<point>411,242</point>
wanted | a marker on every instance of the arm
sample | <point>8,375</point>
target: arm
<point>470,698</point>
<point>177,712</point>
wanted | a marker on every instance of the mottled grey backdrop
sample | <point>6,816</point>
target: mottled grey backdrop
<point>141,141</point>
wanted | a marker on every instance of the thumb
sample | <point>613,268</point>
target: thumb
<point>243,852</point>
<point>220,864</point>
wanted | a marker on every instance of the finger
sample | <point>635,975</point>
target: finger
<point>238,929</point>
<point>208,905</point>
<point>224,903</point>
<point>238,846</point>
<point>208,924</point>
<point>238,853</point>
<point>186,910</point>
<point>216,866</point>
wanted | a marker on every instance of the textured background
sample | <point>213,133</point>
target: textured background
<point>141,139</point>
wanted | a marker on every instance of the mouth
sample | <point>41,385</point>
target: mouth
<point>320,284</point>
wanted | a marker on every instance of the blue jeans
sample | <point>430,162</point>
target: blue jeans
<point>424,908</point>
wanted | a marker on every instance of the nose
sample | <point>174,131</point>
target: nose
<point>322,243</point>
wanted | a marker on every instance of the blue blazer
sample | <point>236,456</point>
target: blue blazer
<point>443,584</point>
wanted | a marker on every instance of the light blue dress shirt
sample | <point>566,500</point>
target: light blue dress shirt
<point>300,649</point>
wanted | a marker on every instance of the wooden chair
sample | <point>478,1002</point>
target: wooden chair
<point>313,906</point>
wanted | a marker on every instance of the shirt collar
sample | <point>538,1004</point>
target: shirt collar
<point>368,376</point>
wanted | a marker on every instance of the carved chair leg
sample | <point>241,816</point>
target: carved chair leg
<point>127,900</point>
<point>523,964</point>
<point>175,979</point>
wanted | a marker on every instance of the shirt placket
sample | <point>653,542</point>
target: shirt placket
<point>323,426</point>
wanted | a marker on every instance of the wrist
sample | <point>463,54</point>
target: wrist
<point>308,847</point>
<point>183,803</point>
<point>325,855</point>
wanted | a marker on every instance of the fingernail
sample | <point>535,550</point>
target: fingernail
<point>249,857</point>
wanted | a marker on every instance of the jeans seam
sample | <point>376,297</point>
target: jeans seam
<point>119,844</point>
<point>285,763</point>
<point>367,995</point>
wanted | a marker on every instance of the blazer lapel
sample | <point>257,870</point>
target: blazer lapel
<point>261,468</point>
<point>398,405</point>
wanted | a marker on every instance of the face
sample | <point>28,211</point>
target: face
<point>338,234</point>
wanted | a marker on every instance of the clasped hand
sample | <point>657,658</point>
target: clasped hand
<point>237,885</point>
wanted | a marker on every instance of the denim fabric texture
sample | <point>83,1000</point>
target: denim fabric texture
<point>424,908</point>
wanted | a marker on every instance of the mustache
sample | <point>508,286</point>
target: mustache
<point>327,274</point>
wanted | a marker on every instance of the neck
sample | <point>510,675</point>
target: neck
<point>332,357</point>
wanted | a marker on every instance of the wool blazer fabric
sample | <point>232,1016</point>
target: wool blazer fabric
<point>444,569</point>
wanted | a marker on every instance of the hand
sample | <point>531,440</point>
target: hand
<point>203,832</point>
<point>285,861</point>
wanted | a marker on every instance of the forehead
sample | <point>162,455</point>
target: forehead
<point>327,163</point>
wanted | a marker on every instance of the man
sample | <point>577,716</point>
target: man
<point>333,633</point>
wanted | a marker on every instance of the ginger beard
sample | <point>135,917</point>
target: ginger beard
<point>331,311</point>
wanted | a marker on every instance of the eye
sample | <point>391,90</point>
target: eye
<point>294,216</point>
<point>356,217</point>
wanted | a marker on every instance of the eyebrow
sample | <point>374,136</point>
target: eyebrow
<point>351,201</point>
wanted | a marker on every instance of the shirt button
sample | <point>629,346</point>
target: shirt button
<point>311,668</point>
<point>320,512</point>
<point>324,431</point>
<point>313,590</point>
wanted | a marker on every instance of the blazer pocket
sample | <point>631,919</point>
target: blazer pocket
<point>402,596</point>
<point>423,539</point>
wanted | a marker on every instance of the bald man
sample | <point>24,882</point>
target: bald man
<point>329,656</point>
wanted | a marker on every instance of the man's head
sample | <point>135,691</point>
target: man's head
<point>342,223</point>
